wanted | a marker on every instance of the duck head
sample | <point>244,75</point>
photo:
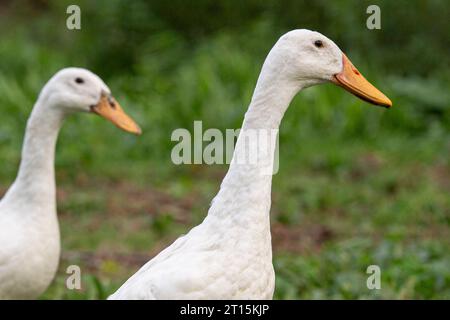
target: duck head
<point>307,58</point>
<point>79,90</point>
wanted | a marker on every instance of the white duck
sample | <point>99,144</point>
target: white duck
<point>229,255</point>
<point>29,231</point>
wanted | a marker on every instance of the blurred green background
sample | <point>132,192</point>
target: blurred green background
<point>358,185</point>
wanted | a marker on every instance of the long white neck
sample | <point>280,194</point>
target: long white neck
<point>245,193</point>
<point>35,182</point>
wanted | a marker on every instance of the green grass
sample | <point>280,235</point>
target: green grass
<point>337,208</point>
<point>357,185</point>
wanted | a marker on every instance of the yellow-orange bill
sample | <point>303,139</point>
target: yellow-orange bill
<point>353,81</point>
<point>110,109</point>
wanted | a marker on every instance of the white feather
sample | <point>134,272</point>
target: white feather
<point>229,255</point>
<point>29,231</point>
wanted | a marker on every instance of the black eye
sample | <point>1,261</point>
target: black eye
<point>318,43</point>
<point>79,80</point>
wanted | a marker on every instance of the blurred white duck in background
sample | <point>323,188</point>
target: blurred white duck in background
<point>229,255</point>
<point>29,231</point>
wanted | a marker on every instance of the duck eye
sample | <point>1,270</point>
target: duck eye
<point>318,43</point>
<point>79,80</point>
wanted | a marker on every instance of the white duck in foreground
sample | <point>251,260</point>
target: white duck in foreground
<point>29,231</point>
<point>229,255</point>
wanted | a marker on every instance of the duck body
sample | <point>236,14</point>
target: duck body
<point>29,230</point>
<point>29,237</point>
<point>30,250</point>
<point>215,260</point>
<point>229,255</point>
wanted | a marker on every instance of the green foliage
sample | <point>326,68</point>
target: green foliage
<point>339,272</point>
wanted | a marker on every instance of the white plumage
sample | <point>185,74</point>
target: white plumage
<point>29,231</point>
<point>229,255</point>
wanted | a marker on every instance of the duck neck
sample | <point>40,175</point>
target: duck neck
<point>245,193</point>
<point>35,182</point>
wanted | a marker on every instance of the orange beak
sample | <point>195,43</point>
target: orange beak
<point>111,110</point>
<point>353,81</point>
